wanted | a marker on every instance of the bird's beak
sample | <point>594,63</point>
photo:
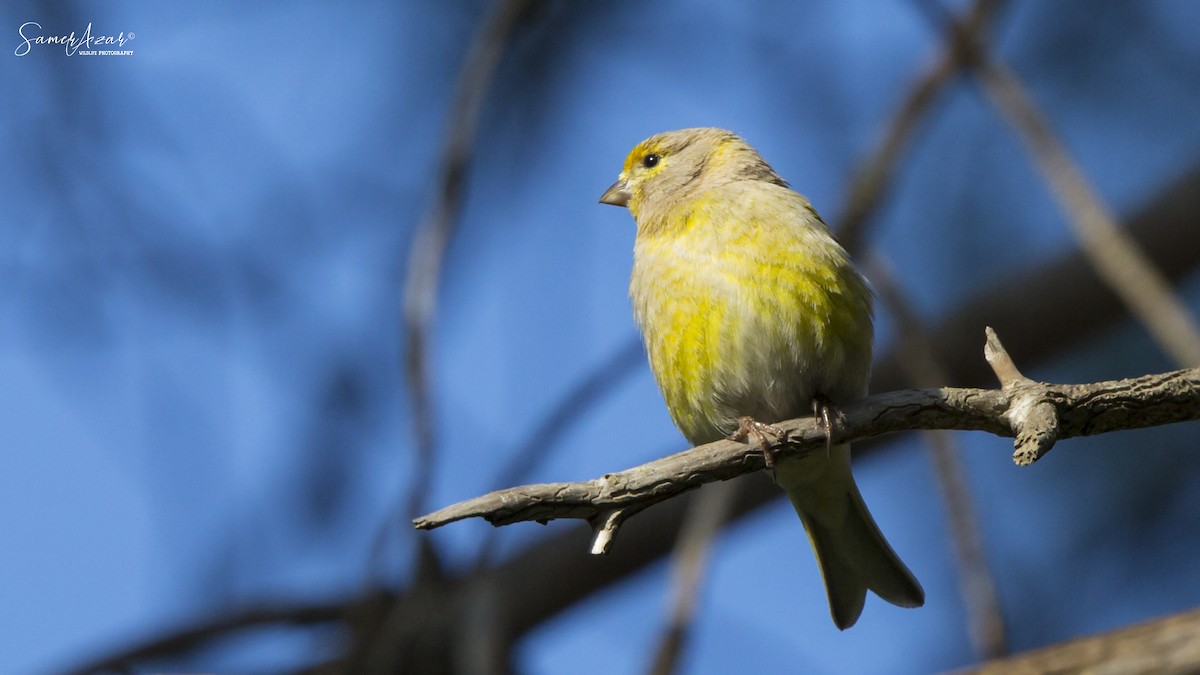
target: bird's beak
<point>617,195</point>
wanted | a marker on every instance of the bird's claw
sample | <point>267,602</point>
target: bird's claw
<point>829,417</point>
<point>748,426</point>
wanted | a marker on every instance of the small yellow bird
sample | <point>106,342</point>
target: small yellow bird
<point>752,313</point>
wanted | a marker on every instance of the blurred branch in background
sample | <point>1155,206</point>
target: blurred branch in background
<point>977,586</point>
<point>874,176</point>
<point>707,515</point>
<point>1164,646</point>
<point>182,642</point>
<point>428,250</point>
<point>924,369</point>
<point>1167,645</point>
<point>1118,260</point>
<point>397,639</point>
<point>1037,325</point>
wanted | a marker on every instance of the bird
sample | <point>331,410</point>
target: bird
<point>751,312</point>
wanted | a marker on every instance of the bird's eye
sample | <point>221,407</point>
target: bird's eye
<point>651,160</point>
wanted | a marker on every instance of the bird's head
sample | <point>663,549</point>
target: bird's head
<point>667,169</point>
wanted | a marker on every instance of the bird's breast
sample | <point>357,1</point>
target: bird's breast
<point>751,327</point>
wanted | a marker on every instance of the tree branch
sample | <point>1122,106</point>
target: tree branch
<point>1168,645</point>
<point>1037,414</point>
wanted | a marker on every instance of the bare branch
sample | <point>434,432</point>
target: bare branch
<point>1077,410</point>
<point>605,525</point>
<point>1002,364</point>
<point>1169,646</point>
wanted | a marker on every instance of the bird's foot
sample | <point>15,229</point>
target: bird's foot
<point>748,426</point>
<point>829,417</point>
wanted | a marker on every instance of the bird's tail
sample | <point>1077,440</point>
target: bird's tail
<point>851,551</point>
